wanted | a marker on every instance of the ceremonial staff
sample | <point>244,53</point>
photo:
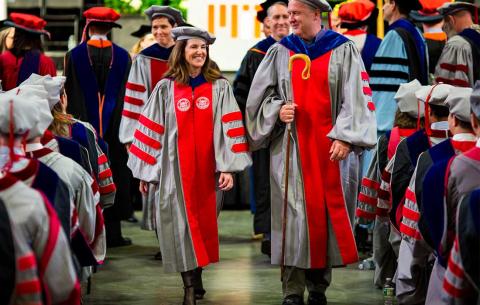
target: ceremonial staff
<point>305,76</point>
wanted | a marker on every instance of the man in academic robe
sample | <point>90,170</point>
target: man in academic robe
<point>407,122</point>
<point>401,57</point>
<point>97,72</point>
<point>459,63</point>
<point>432,22</point>
<point>280,27</point>
<point>354,17</point>
<point>33,213</point>
<point>148,67</point>
<point>147,70</point>
<point>459,176</point>
<point>414,256</point>
<point>333,119</point>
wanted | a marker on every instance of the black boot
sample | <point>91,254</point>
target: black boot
<point>316,298</point>
<point>188,278</point>
<point>199,291</point>
<point>293,299</point>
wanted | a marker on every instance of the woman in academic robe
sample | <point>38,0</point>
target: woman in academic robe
<point>26,55</point>
<point>189,141</point>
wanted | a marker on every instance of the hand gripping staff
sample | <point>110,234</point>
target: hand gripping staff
<point>305,76</point>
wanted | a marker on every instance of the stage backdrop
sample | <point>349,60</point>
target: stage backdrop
<point>234,24</point>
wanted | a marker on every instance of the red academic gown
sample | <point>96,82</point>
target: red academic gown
<point>14,71</point>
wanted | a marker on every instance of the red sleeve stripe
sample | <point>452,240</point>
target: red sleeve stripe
<point>367,91</point>
<point>365,76</point>
<point>26,262</point>
<point>454,268</point>
<point>147,158</point>
<point>29,287</point>
<point>372,184</point>
<point>105,174</point>
<point>54,231</point>
<point>107,189</point>
<point>452,290</point>
<point>367,199</point>
<point>364,214</point>
<point>147,140</point>
<point>410,195</point>
<point>153,126</point>
<point>130,114</point>
<point>371,106</point>
<point>231,117</point>
<point>409,231</point>
<point>236,132</point>
<point>240,147</point>
<point>136,87</point>
<point>454,82</point>
<point>381,212</point>
<point>386,176</point>
<point>454,68</point>
<point>133,100</point>
<point>410,214</point>
<point>94,186</point>
<point>383,194</point>
<point>102,159</point>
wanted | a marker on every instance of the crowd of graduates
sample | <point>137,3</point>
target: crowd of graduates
<point>69,145</point>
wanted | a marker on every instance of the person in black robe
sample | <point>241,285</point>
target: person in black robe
<point>276,12</point>
<point>97,72</point>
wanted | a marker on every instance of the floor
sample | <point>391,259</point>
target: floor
<point>130,275</point>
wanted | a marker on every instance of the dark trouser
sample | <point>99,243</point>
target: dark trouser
<point>113,227</point>
<point>296,279</point>
<point>261,178</point>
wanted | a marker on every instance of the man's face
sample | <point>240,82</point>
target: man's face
<point>301,17</point>
<point>388,9</point>
<point>162,31</point>
<point>279,25</point>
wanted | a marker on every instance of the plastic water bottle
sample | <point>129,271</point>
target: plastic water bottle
<point>388,292</point>
<point>367,264</point>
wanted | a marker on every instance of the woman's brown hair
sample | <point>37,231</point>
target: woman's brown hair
<point>405,121</point>
<point>61,121</point>
<point>178,66</point>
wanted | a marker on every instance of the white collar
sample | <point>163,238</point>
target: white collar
<point>443,125</point>
<point>98,37</point>
<point>33,147</point>
<point>464,137</point>
<point>478,143</point>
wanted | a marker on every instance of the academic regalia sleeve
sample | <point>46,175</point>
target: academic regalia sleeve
<point>146,149</point>
<point>455,63</point>
<point>231,148</point>
<point>264,102</point>
<point>355,122</point>
<point>52,250</point>
<point>136,95</point>
<point>368,197</point>
<point>390,68</point>
<point>107,188</point>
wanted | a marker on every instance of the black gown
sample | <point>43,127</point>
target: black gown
<point>102,66</point>
<point>261,158</point>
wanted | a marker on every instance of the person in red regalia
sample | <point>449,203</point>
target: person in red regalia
<point>26,56</point>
